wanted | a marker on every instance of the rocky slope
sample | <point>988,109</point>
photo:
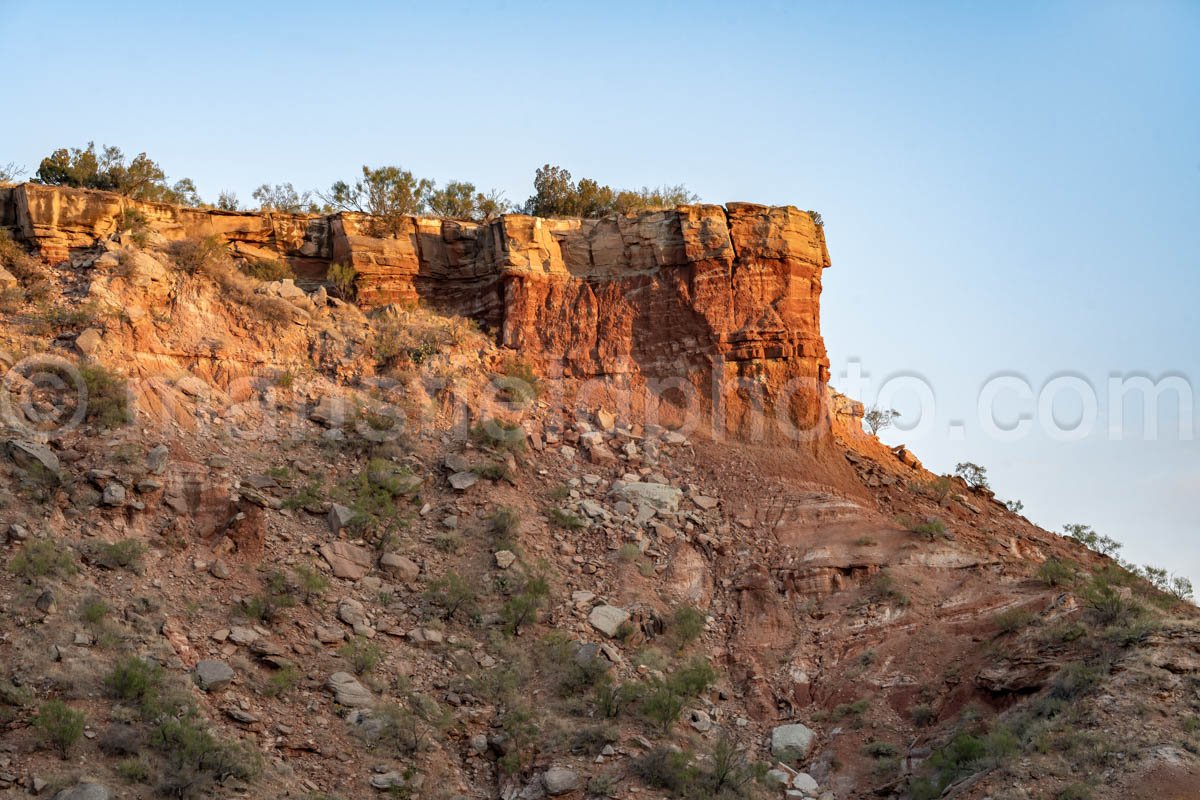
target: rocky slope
<point>342,550</point>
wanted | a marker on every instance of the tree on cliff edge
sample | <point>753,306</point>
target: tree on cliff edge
<point>142,178</point>
<point>387,194</point>
<point>555,194</point>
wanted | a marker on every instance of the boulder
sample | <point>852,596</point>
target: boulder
<point>806,783</point>
<point>790,743</point>
<point>89,341</point>
<point>86,791</point>
<point>462,481</point>
<point>339,517</point>
<point>27,454</point>
<point>347,560</point>
<point>608,619</point>
<point>347,691</point>
<point>399,567</point>
<point>658,496</point>
<point>212,675</point>
<point>560,780</point>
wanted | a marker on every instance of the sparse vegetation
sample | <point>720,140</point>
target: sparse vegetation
<point>363,655</point>
<point>122,554</point>
<point>141,178</point>
<point>1054,572</point>
<point>973,475</point>
<point>556,194</point>
<point>879,419</point>
<point>41,558</point>
<point>59,725</point>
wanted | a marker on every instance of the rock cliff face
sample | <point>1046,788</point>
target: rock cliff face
<point>714,309</point>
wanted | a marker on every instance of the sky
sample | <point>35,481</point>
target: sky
<point>1008,189</point>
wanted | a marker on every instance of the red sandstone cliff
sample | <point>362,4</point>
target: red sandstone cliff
<point>717,307</point>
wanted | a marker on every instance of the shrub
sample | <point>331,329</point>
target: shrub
<point>1053,572</point>
<point>693,678</point>
<point>1015,506</point>
<point>937,488</point>
<point>268,269</point>
<point>930,527</point>
<point>1085,535</point>
<point>282,681</point>
<point>880,749</point>
<point>387,194</point>
<point>923,715</point>
<point>452,593</point>
<point>665,768</point>
<point>523,607</point>
<point>141,178</point>
<point>460,200</point>
<point>1014,619</point>
<point>311,583</point>
<point>123,554</point>
<point>342,278</point>
<point>500,435</point>
<point>505,522</point>
<point>686,625</point>
<point>879,419</point>
<point>362,654</point>
<point>108,401</point>
<point>1073,681</point>
<point>974,475</point>
<point>1107,605</point>
<point>557,195</point>
<point>196,758</point>
<point>1074,791</point>
<point>519,385</point>
<point>133,770</point>
<point>135,680</point>
<point>93,610</point>
<point>59,725</point>
<point>43,558</point>
<point>283,197</point>
<point>204,255</point>
<point>565,519</point>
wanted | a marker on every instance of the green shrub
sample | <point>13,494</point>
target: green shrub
<point>363,656</point>
<point>196,759</point>
<point>506,522</point>
<point>342,279</point>
<point>565,519</point>
<point>931,528</point>
<point>451,593</point>
<point>59,725</point>
<point>93,610</point>
<point>880,749</point>
<point>43,558</point>
<point>311,583</point>
<point>1107,605</point>
<point>665,768</point>
<point>500,435</point>
<point>523,607</point>
<point>1014,619</point>
<point>268,269</point>
<point>519,385</point>
<point>124,554</point>
<point>133,770</point>
<point>135,680</point>
<point>1053,572</point>
<point>108,399</point>
<point>202,255</point>
<point>923,715</point>
<point>686,626</point>
<point>974,475</point>
<point>282,681</point>
<point>1075,791</point>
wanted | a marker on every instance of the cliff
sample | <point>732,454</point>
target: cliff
<point>715,310</point>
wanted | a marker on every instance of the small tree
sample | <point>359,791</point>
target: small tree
<point>387,194</point>
<point>974,475</point>
<point>228,201</point>
<point>1104,545</point>
<point>11,173</point>
<point>1015,506</point>
<point>283,197</point>
<point>142,178</point>
<point>879,419</point>
<point>60,725</point>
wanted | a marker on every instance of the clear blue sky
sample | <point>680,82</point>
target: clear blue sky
<point>1012,188</point>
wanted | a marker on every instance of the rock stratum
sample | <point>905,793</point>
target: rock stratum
<point>717,308</point>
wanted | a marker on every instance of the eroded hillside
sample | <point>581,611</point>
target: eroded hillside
<point>275,538</point>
